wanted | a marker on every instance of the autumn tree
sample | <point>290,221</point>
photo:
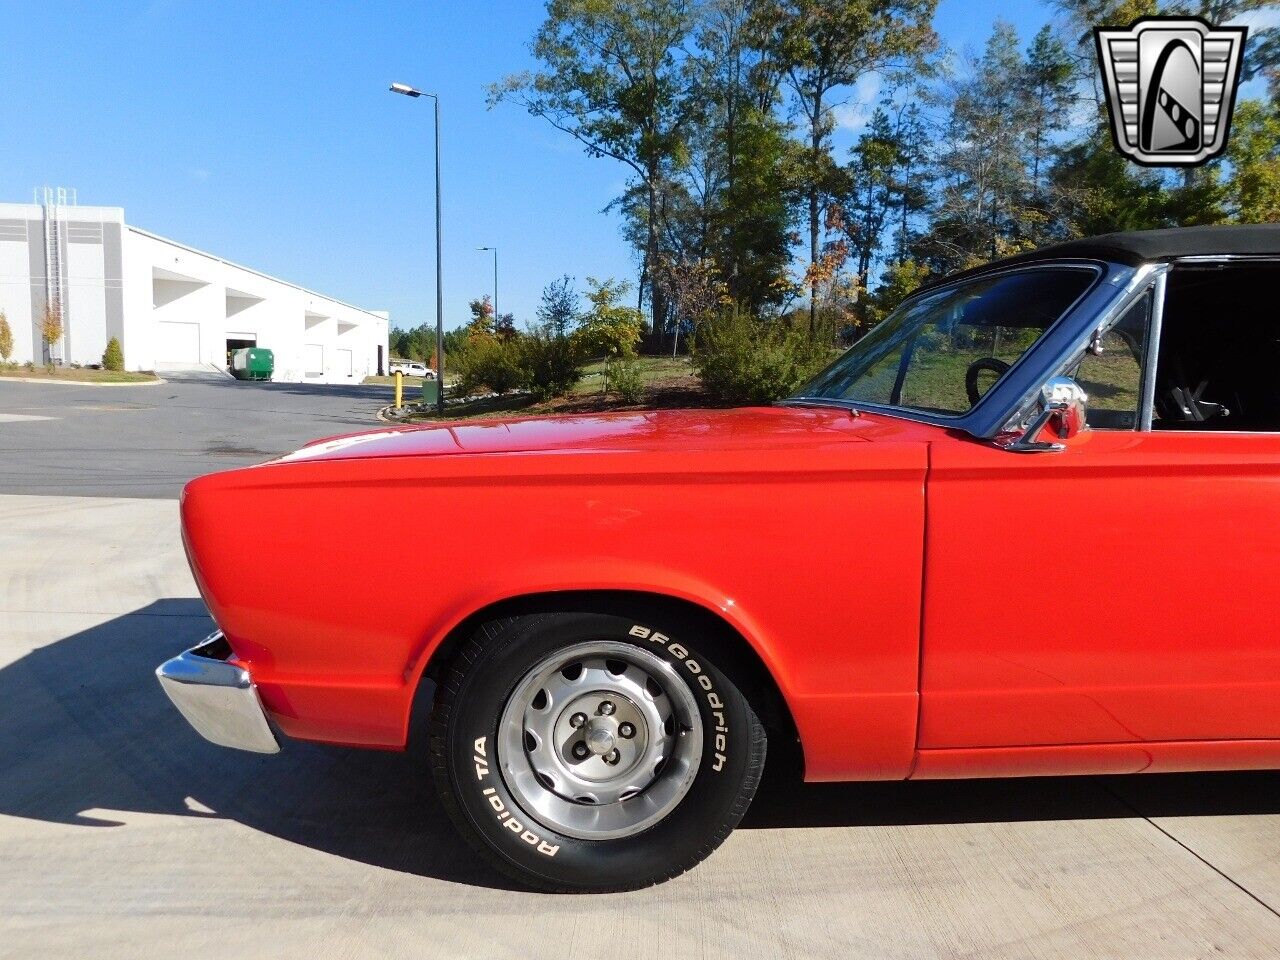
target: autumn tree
<point>50,328</point>
<point>6,338</point>
<point>481,325</point>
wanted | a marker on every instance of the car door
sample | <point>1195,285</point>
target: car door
<point>1123,589</point>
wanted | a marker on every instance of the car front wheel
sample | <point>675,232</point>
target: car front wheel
<point>589,752</point>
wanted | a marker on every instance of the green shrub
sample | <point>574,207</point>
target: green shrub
<point>113,356</point>
<point>743,360</point>
<point>6,338</point>
<point>552,362</point>
<point>624,378</point>
<point>490,363</point>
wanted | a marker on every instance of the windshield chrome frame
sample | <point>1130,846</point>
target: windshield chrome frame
<point>1114,283</point>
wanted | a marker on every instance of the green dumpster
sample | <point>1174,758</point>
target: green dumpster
<point>252,363</point>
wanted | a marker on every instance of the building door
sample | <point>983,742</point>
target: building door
<point>381,366</point>
<point>177,342</point>
<point>346,363</point>
<point>313,358</point>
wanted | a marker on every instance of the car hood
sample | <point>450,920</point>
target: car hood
<point>736,429</point>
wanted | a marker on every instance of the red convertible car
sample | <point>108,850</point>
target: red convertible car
<point>1029,524</point>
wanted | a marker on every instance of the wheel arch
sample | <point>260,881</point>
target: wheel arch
<point>731,649</point>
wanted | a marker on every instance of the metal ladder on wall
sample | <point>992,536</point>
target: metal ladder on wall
<point>55,201</point>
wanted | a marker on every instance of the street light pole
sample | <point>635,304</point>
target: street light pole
<point>409,91</point>
<point>495,282</point>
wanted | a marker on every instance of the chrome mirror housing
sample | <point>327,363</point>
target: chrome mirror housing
<point>1063,404</point>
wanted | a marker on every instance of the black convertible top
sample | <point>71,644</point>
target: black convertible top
<point>1136,247</point>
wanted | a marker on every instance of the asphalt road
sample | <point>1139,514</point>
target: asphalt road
<point>147,441</point>
<point>123,834</point>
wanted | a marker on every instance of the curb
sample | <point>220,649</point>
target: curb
<point>83,383</point>
<point>386,416</point>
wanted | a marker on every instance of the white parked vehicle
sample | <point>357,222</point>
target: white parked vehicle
<point>411,368</point>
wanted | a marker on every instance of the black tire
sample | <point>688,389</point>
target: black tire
<point>465,721</point>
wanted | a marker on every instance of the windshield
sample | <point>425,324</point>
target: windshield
<point>941,352</point>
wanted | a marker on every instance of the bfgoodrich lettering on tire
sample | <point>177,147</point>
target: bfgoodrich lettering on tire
<point>593,752</point>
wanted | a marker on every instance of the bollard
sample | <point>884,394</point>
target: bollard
<point>399,375</point>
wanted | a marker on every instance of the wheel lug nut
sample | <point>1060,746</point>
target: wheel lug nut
<point>626,730</point>
<point>606,708</point>
<point>612,757</point>
<point>579,750</point>
<point>577,720</point>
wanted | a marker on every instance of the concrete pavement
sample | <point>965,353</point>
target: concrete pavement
<point>123,834</point>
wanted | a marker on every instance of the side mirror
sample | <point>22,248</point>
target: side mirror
<point>1063,404</point>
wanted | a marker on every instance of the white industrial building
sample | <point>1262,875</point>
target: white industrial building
<point>171,306</point>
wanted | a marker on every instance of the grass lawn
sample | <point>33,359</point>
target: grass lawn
<point>668,383</point>
<point>73,375</point>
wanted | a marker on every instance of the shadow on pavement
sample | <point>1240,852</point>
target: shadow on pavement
<point>381,392</point>
<point>85,731</point>
<point>779,803</point>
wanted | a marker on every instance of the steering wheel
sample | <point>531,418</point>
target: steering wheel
<point>988,364</point>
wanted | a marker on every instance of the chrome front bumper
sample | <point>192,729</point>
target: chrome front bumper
<point>218,698</point>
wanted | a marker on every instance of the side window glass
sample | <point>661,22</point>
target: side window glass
<point>1113,377</point>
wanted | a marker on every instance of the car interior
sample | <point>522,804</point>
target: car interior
<point>1219,358</point>
<point>1219,361</point>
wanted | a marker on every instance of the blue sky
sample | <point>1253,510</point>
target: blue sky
<point>263,132</point>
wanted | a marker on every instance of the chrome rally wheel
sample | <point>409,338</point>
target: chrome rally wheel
<point>600,740</point>
<point>593,750</point>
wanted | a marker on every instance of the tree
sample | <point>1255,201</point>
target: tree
<point>1255,162</point>
<point>887,180</point>
<point>745,156</point>
<point>480,326</point>
<point>558,310</point>
<point>417,343</point>
<point>552,361</point>
<point>488,361</point>
<point>6,338</point>
<point>50,328</point>
<point>615,78</point>
<point>820,46</point>
<point>504,326</point>
<point>113,356</point>
<point>986,205</point>
<point>608,329</point>
<point>693,289</point>
<point>744,361</point>
<point>1102,191</point>
<point>1048,93</point>
<point>1097,189</point>
<point>898,282</point>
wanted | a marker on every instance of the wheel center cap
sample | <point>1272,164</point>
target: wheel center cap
<point>599,736</point>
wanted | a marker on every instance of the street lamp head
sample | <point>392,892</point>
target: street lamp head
<point>486,248</point>
<point>407,90</point>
